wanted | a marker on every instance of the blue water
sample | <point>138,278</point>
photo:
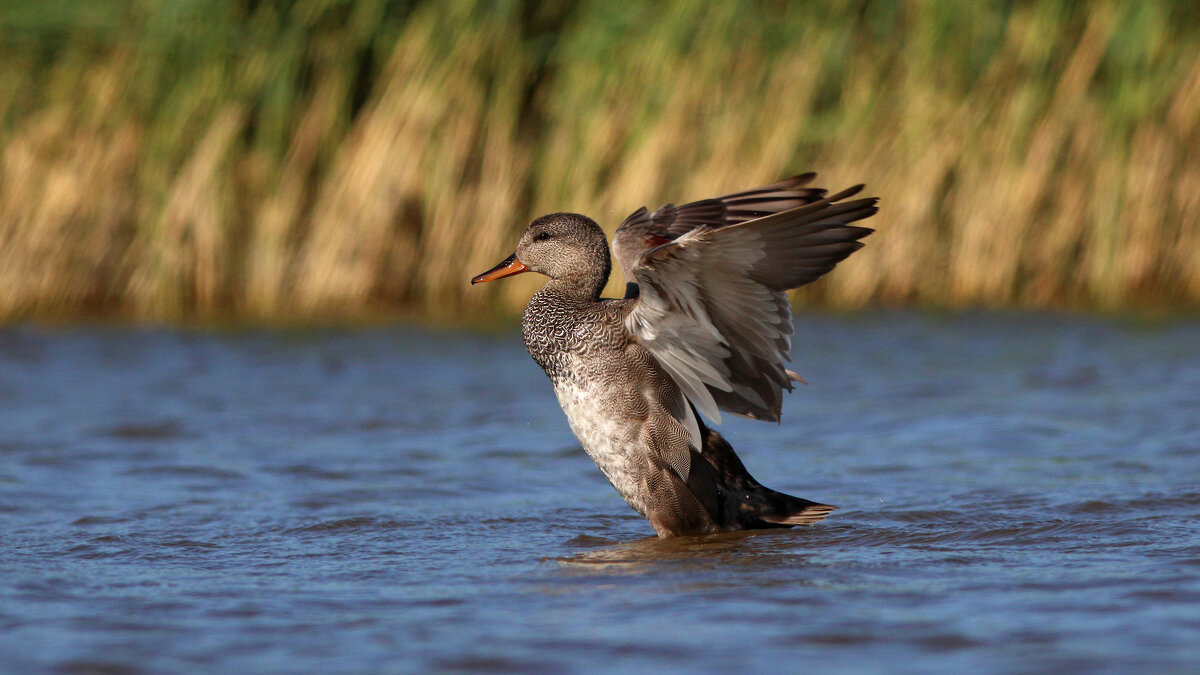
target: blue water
<point>1018,493</point>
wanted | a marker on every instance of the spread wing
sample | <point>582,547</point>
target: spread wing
<point>642,230</point>
<point>711,280</point>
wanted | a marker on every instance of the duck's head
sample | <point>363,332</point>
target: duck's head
<point>564,246</point>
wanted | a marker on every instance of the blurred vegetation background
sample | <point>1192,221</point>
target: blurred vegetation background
<point>340,159</point>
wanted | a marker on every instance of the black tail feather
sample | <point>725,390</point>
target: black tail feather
<point>735,499</point>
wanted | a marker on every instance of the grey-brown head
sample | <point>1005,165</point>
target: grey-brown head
<point>567,247</point>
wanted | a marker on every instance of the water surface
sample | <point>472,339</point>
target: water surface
<point>1017,492</point>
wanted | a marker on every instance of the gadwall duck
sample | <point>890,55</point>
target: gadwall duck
<point>705,326</point>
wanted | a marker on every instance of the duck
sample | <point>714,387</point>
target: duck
<point>705,326</point>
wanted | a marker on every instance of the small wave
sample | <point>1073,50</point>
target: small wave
<point>924,515</point>
<point>497,664</point>
<point>1142,503</point>
<point>150,431</point>
<point>97,666</point>
<point>590,541</point>
<point>311,472</point>
<point>983,533</point>
<point>849,638</point>
<point>349,524</point>
<point>189,544</point>
<point>186,470</point>
<point>84,521</point>
<point>102,546</point>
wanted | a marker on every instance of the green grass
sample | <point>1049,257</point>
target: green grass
<point>329,160</point>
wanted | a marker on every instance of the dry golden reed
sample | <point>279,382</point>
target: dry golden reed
<point>330,159</point>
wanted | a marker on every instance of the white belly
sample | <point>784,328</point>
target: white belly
<point>611,439</point>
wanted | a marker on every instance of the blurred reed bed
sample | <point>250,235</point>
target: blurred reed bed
<point>329,159</point>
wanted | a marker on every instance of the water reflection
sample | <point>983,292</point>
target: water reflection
<point>726,548</point>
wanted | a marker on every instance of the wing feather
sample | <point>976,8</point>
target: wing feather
<point>711,280</point>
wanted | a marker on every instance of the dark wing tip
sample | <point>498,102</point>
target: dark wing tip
<point>848,192</point>
<point>857,231</point>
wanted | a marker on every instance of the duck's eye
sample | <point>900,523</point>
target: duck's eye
<point>542,236</point>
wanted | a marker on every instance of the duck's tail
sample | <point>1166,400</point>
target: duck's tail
<point>780,509</point>
<point>740,502</point>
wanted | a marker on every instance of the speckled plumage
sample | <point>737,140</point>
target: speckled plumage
<point>612,391</point>
<point>620,367</point>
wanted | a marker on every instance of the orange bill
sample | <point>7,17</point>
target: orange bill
<point>507,267</point>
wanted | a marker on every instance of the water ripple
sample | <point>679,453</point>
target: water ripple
<point>1017,494</point>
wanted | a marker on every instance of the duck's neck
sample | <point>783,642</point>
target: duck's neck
<point>583,284</point>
